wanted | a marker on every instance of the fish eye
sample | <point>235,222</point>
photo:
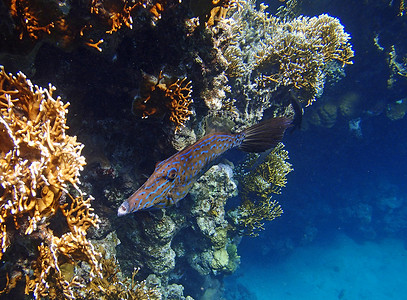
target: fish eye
<point>171,174</point>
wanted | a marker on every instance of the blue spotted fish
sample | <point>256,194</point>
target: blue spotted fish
<point>173,178</point>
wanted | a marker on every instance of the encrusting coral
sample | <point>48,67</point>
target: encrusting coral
<point>38,160</point>
<point>257,185</point>
<point>210,239</point>
<point>397,110</point>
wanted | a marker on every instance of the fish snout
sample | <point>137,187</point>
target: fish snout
<point>124,209</point>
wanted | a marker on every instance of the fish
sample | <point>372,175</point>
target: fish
<point>173,177</point>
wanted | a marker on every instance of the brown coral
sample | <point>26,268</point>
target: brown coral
<point>117,12</point>
<point>67,28</point>
<point>163,95</point>
<point>38,158</point>
<point>211,11</point>
<point>180,95</point>
<point>30,20</point>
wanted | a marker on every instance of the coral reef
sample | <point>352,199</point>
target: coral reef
<point>349,106</point>
<point>268,177</point>
<point>227,53</point>
<point>257,186</point>
<point>297,56</point>
<point>384,215</point>
<point>66,23</point>
<point>397,110</point>
<point>192,238</point>
<point>325,115</point>
<point>209,195</point>
<point>109,286</point>
<point>38,158</point>
<point>38,161</point>
<point>164,95</point>
<point>265,56</point>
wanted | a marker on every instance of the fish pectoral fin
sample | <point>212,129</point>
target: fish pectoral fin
<point>170,199</point>
<point>176,194</point>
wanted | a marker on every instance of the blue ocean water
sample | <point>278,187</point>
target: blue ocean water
<point>340,269</point>
<point>343,233</point>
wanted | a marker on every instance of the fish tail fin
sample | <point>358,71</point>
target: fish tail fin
<point>264,135</point>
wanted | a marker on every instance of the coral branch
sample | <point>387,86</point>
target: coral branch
<point>257,188</point>
<point>37,162</point>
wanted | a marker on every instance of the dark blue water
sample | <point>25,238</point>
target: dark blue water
<point>343,231</point>
<point>342,235</point>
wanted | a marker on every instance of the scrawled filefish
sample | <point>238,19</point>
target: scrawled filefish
<point>173,178</point>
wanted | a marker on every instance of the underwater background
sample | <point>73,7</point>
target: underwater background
<point>145,79</point>
<point>351,242</point>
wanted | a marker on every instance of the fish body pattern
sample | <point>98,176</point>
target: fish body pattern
<point>173,178</point>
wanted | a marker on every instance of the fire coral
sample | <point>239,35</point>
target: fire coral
<point>37,162</point>
<point>163,96</point>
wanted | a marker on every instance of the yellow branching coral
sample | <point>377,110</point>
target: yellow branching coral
<point>296,54</point>
<point>162,95</point>
<point>110,286</point>
<point>252,216</point>
<point>180,95</point>
<point>280,54</point>
<point>49,281</point>
<point>267,178</point>
<point>37,158</point>
<point>37,162</point>
<point>51,276</point>
<point>257,187</point>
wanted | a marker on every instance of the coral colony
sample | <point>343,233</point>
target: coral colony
<point>175,72</point>
<point>38,161</point>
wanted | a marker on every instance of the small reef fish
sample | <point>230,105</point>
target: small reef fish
<point>173,178</point>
